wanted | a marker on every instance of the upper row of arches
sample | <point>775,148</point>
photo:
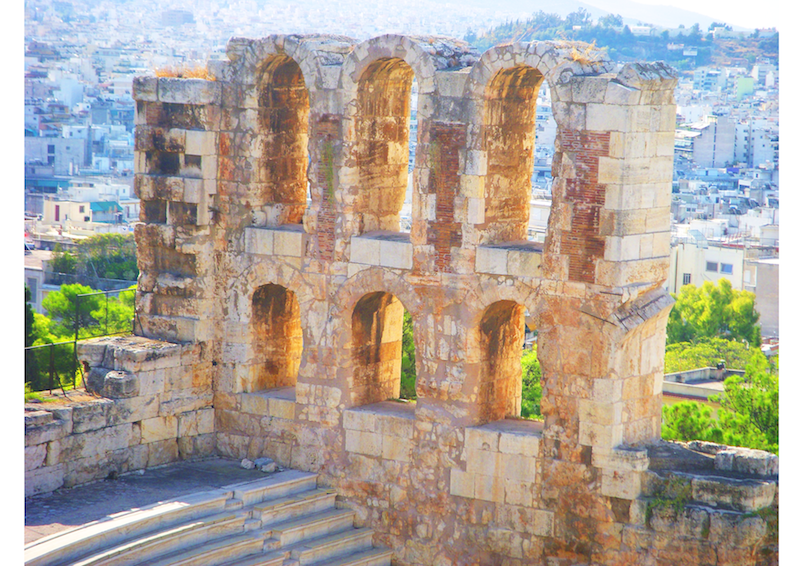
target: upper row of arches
<point>368,159</point>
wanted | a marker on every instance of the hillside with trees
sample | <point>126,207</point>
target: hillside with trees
<point>621,44</point>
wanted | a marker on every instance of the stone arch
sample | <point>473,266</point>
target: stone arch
<point>276,337</point>
<point>503,87</point>
<point>377,333</point>
<point>386,291</point>
<point>495,337</point>
<point>376,87</point>
<point>283,122</point>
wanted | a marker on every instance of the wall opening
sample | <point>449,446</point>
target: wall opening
<point>277,339</point>
<point>283,110</point>
<point>383,123</point>
<point>510,138</point>
<point>378,350</point>
<point>502,337</point>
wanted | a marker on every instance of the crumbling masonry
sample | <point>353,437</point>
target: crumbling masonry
<point>271,319</point>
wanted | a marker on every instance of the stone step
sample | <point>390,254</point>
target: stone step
<point>287,508</point>
<point>142,550</point>
<point>744,495</point>
<point>370,557</point>
<point>332,547</point>
<point>216,553</point>
<point>313,526</point>
<point>280,484</point>
<point>271,559</point>
<point>67,546</point>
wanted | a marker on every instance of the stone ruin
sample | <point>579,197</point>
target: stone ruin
<point>275,275</point>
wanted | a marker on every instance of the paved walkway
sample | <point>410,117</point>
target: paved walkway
<point>68,508</point>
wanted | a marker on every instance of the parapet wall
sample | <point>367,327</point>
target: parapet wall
<point>272,245</point>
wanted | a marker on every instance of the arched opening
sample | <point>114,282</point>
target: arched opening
<point>283,110</point>
<point>277,339</point>
<point>510,138</point>
<point>382,129</point>
<point>380,351</point>
<point>502,337</point>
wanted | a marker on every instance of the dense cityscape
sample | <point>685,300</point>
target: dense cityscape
<point>80,60</point>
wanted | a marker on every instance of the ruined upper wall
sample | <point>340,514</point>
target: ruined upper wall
<point>271,198</point>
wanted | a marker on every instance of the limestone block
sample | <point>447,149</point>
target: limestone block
<point>96,443</point>
<point>621,484</point>
<point>513,443</point>
<point>365,250</point>
<point>462,484</point>
<point>590,89</point>
<point>44,480</point>
<point>362,442</point>
<point>193,191</point>
<point>524,263</point>
<point>53,453</point>
<point>256,403</point>
<point>152,383</point>
<point>159,428</point>
<point>731,529</point>
<point>745,495</point>
<point>258,240</point>
<point>282,408</point>
<point>543,522</point>
<point>396,254</point>
<point>189,91</point>
<point>209,167</point>
<point>200,143</point>
<point>145,89</point>
<point>491,260</point>
<point>473,187</point>
<point>476,162</point>
<point>396,449</point>
<point>489,488</point>
<point>361,420</point>
<point>483,462</point>
<point>601,413</point>
<point>518,492</point>
<point>602,436</point>
<point>90,416</point>
<point>35,456</point>
<point>517,467</point>
<point>477,438</point>
<point>746,461</point>
<point>38,418</point>
<point>289,243</point>
<point>162,452</point>
<point>46,433</point>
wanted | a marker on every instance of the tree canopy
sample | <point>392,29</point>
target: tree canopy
<point>747,414</point>
<point>711,311</point>
<point>103,256</point>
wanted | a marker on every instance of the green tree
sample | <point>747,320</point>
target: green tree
<point>713,311</point>
<point>748,413</point>
<point>707,352</point>
<point>531,384</point>
<point>689,420</point>
<point>408,367</point>
<point>64,307</point>
<point>63,262</point>
<point>611,21</point>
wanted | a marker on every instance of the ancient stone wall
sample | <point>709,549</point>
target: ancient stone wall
<point>153,409</point>
<point>272,247</point>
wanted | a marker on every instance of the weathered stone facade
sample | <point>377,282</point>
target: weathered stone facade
<point>294,307</point>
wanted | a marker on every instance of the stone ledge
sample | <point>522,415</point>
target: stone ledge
<point>382,249</point>
<point>286,240</point>
<point>523,259</point>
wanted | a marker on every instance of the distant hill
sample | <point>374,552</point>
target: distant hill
<point>631,12</point>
